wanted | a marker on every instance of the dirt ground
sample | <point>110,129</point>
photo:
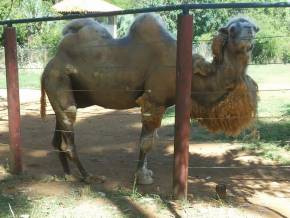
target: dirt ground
<point>107,144</point>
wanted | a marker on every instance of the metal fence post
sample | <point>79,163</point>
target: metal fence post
<point>183,105</point>
<point>10,45</point>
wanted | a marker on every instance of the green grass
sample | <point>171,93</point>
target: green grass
<point>11,202</point>
<point>272,77</point>
<point>27,79</point>
<point>273,126</point>
<point>279,152</point>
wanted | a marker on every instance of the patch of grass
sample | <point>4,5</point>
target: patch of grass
<point>11,201</point>
<point>270,75</point>
<point>279,152</point>
<point>27,79</point>
<point>17,204</point>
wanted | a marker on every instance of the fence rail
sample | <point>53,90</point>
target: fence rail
<point>184,7</point>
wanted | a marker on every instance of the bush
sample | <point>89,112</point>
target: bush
<point>270,46</point>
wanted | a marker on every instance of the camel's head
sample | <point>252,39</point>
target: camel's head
<point>237,35</point>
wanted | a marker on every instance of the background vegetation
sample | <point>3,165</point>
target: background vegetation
<point>273,22</point>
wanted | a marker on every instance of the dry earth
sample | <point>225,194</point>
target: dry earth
<point>106,140</point>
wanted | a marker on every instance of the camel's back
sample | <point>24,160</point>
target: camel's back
<point>116,68</point>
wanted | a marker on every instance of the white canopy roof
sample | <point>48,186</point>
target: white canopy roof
<point>84,6</point>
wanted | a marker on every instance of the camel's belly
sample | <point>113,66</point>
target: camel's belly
<point>106,100</point>
<point>116,94</point>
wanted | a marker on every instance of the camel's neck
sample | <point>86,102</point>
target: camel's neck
<point>211,89</point>
<point>235,64</point>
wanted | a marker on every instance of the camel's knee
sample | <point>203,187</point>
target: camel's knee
<point>70,115</point>
<point>151,113</point>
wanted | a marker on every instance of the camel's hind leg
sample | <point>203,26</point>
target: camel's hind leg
<point>58,89</point>
<point>66,120</point>
<point>57,139</point>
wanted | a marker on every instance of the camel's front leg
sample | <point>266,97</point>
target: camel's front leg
<point>151,120</point>
<point>144,175</point>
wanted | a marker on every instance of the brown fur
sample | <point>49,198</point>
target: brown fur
<point>151,114</point>
<point>232,114</point>
<point>217,47</point>
<point>201,67</point>
<point>42,100</point>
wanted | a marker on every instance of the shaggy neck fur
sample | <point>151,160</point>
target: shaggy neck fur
<point>221,78</point>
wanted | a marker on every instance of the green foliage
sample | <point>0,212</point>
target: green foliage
<point>40,34</point>
<point>272,22</point>
<point>123,23</point>
<point>125,4</point>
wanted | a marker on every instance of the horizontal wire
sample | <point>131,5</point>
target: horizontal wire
<point>262,37</point>
<point>150,42</point>
<point>269,63</point>
<point>196,167</point>
<point>159,66</point>
<point>150,91</point>
<point>147,114</point>
<point>101,116</point>
<point>171,159</point>
<point>25,68</point>
<point>71,131</point>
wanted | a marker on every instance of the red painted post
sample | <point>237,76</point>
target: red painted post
<point>10,45</point>
<point>183,105</point>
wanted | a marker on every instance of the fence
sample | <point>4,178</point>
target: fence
<point>28,58</point>
<point>184,69</point>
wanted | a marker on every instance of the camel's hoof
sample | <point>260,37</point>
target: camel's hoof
<point>94,179</point>
<point>70,178</point>
<point>145,177</point>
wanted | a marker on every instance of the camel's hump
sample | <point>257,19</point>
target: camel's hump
<point>149,27</point>
<point>87,28</point>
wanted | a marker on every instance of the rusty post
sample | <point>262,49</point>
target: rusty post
<point>10,45</point>
<point>183,105</point>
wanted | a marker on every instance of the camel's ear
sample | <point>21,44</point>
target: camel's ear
<point>257,29</point>
<point>217,48</point>
<point>223,30</point>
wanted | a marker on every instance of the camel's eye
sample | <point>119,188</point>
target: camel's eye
<point>233,30</point>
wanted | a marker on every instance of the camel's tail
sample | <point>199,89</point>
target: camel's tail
<point>42,100</point>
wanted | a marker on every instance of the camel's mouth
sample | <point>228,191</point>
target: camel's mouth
<point>244,46</point>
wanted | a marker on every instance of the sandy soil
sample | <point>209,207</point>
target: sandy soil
<point>106,141</point>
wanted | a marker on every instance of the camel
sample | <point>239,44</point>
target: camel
<point>90,67</point>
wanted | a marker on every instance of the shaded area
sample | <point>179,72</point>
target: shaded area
<point>10,202</point>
